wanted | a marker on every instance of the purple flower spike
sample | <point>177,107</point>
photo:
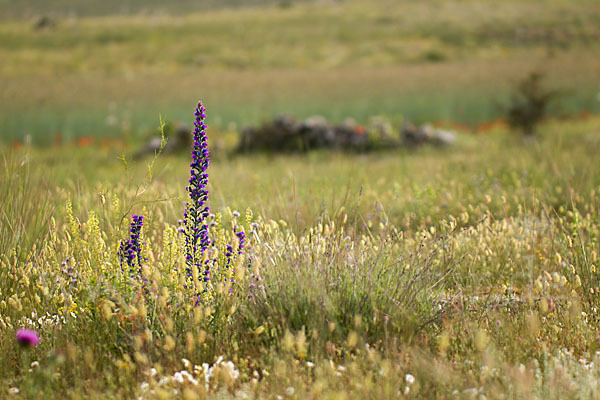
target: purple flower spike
<point>197,217</point>
<point>130,251</point>
<point>197,210</point>
<point>27,337</point>
<point>242,241</point>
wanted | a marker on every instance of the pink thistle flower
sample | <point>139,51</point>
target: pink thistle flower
<point>27,337</point>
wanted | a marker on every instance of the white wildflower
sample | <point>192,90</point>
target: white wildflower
<point>230,367</point>
<point>470,393</point>
<point>409,379</point>
<point>178,377</point>
<point>189,377</point>
<point>163,380</point>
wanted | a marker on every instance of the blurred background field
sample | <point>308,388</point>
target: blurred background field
<point>76,69</point>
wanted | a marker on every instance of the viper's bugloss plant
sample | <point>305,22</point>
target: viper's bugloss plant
<point>130,250</point>
<point>195,217</point>
<point>196,222</point>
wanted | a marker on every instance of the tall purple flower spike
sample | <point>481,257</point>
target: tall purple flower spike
<point>195,217</point>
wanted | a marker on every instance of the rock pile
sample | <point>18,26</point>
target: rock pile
<point>426,134</point>
<point>285,134</point>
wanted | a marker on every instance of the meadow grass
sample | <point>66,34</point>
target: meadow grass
<point>467,271</point>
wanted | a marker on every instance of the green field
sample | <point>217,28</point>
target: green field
<point>423,61</point>
<point>467,271</point>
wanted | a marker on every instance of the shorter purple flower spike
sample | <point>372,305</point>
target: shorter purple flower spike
<point>27,337</point>
<point>242,241</point>
<point>130,251</point>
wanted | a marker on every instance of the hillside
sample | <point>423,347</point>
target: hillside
<point>87,8</point>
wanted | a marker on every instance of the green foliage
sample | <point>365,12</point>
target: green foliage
<point>529,103</point>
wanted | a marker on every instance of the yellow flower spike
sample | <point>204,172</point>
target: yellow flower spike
<point>142,311</point>
<point>169,343</point>
<point>107,309</point>
<point>137,342</point>
<point>556,277</point>
<point>300,344</point>
<point>220,288</point>
<point>201,336</point>
<point>168,324</point>
<point>287,342</point>
<point>240,271</point>
<point>147,336</point>
<point>563,280</point>
<point>352,339</point>
<point>443,342</point>
<point>190,342</point>
<point>480,340</point>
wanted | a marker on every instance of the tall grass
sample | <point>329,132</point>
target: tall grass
<point>389,276</point>
<point>26,207</point>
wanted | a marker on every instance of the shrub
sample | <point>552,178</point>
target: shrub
<point>529,103</point>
